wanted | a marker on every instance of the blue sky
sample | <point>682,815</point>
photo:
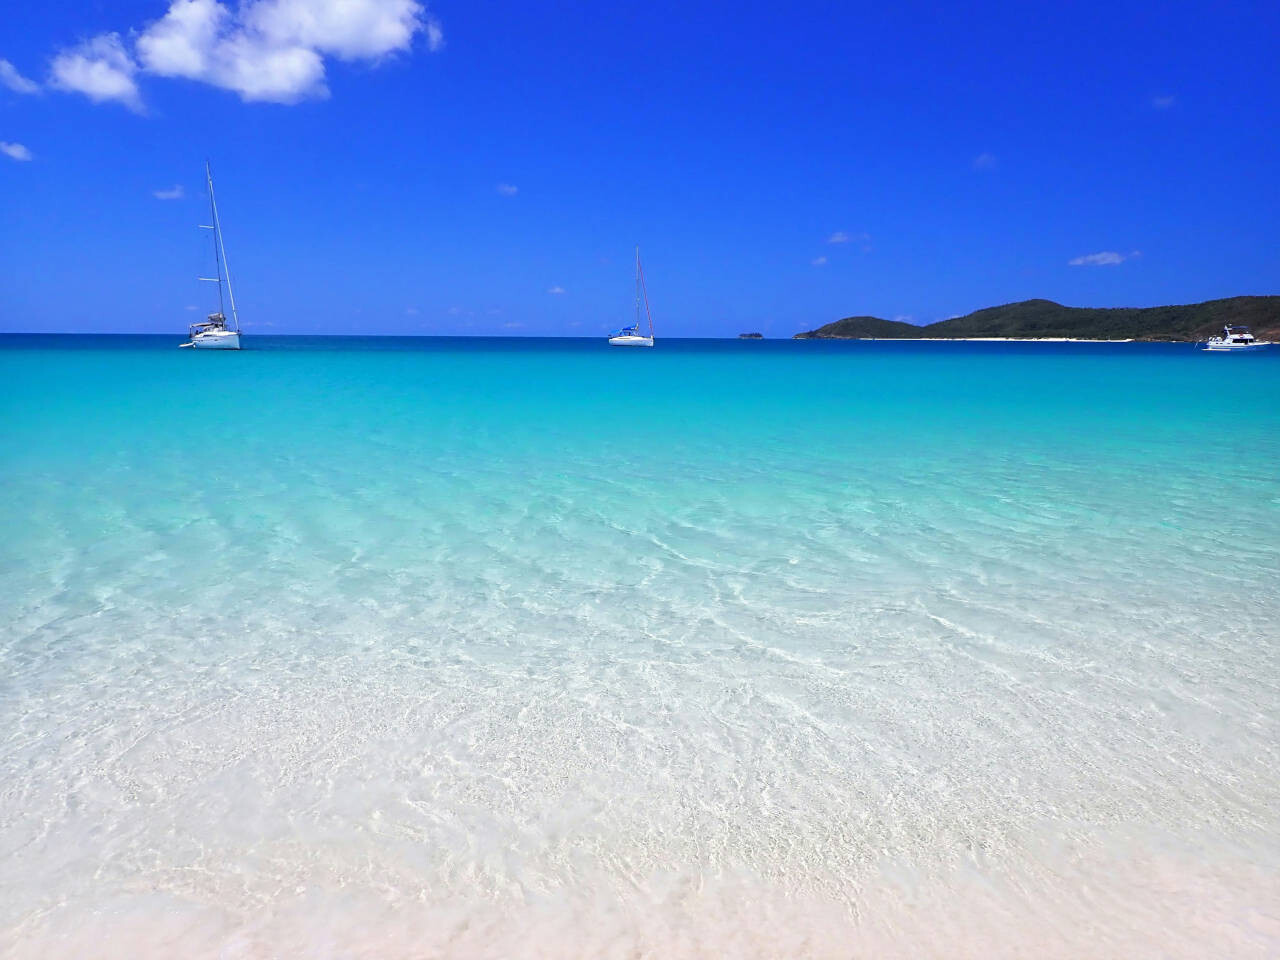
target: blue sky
<point>486,168</point>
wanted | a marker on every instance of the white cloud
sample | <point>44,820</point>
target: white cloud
<point>101,69</point>
<point>173,193</point>
<point>348,29</point>
<point>410,311</point>
<point>1163,103</point>
<point>819,261</point>
<point>1107,258</point>
<point>508,189</point>
<point>260,71</point>
<point>180,42</point>
<point>985,161</point>
<point>862,239</point>
<point>435,36</point>
<point>11,78</point>
<point>264,50</point>
<point>556,290</point>
<point>202,40</point>
<point>15,151</point>
<point>904,318</point>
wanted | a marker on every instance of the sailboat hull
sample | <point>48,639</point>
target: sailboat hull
<point>230,340</point>
<point>631,341</point>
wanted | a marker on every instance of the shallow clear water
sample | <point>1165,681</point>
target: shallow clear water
<point>511,648</point>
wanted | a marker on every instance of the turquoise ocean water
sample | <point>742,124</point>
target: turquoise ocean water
<point>346,647</point>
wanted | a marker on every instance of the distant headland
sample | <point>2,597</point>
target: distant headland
<point>1046,320</point>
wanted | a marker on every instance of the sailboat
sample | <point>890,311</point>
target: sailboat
<point>631,336</point>
<point>215,333</point>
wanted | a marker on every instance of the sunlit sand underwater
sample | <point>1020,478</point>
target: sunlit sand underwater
<point>484,648</point>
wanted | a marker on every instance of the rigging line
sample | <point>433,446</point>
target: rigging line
<point>217,224</point>
<point>645,288</point>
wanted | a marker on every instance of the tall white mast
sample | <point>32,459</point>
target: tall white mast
<point>220,248</point>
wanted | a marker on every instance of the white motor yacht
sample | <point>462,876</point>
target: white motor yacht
<point>1234,337</point>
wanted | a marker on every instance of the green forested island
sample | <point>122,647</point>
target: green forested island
<point>1033,319</point>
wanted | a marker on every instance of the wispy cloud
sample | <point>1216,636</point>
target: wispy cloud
<point>101,69</point>
<point>173,193</point>
<point>263,50</point>
<point>508,189</point>
<point>1106,258</point>
<point>11,78</point>
<point>985,161</point>
<point>16,151</point>
<point>863,240</point>
<point>819,261</point>
<point>435,35</point>
<point>410,311</point>
<point>556,290</point>
<point>1163,103</point>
